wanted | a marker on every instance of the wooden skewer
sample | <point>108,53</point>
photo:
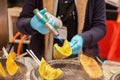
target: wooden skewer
<point>6,54</point>
<point>33,56</point>
<point>22,55</point>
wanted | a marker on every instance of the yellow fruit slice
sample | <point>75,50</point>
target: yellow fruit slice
<point>47,72</point>
<point>90,66</point>
<point>11,55</point>
<point>2,71</point>
<point>11,65</point>
<point>62,52</point>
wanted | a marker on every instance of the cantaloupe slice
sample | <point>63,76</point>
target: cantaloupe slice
<point>11,65</point>
<point>47,72</point>
<point>62,52</point>
<point>90,66</point>
<point>2,71</point>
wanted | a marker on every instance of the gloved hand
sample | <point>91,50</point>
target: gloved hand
<point>39,24</point>
<point>76,43</point>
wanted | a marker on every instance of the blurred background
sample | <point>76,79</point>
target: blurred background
<point>9,12</point>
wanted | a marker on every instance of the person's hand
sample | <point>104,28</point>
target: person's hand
<point>76,43</point>
<point>38,24</point>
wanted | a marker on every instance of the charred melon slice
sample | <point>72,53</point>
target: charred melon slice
<point>2,71</point>
<point>62,52</point>
<point>11,65</point>
<point>47,72</point>
<point>91,67</point>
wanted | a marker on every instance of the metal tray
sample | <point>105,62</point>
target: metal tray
<point>18,76</point>
<point>115,76</point>
<point>111,70</point>
<point>72,70</point>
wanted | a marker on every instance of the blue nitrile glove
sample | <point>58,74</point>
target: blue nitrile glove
<point>76,43</point>
<point>39,24</point>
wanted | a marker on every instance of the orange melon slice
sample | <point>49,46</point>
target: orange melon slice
<point>11,55</point>
<point>62,52</point>
<point>47,72</point>
<point>11,65</point>
<point>2,71</point>
<point>91,67</point>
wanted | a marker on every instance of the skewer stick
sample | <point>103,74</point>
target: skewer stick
<point>33,56</point>
<point>22,55</point>
<point>6,54</point>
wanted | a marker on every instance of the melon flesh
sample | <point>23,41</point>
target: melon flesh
<point>47,72</point>
<point>90,66</point>
<point>11,65</point>
<point>62,52</point>
<point>2,71</point>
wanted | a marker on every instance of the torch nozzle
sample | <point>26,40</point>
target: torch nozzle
<point>59,38</point>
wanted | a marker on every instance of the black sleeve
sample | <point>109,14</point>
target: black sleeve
<point>98,24</point>
<point>26,14</point>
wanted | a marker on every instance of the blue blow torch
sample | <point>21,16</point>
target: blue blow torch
<point>44,17</point>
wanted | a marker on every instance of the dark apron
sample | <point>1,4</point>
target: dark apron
<point>66,10</point>
<point>68,14</point>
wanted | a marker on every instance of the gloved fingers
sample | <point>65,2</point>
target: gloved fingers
<point>73,42</point>
<point>76,46</point>
<point>78,37</point>
<point>43,11</point>
<point>76,43</point>
<point>36,24</point>
<point>76,51</point>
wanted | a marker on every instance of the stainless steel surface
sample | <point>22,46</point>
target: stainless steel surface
<point>3,23</point>
<point>72,70</point>
<point>116,76</point>
<point>30,64</point>
<point>110,68</point>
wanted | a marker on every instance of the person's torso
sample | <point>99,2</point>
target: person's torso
<point>66,10</point>
<point>72,25</point>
